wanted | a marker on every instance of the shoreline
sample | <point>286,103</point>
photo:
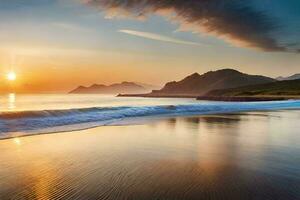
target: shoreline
<point>149,95</point>
<point>209,155</point>
<point>243,98</point>
<point>135,121</point>
<point>217,98</point>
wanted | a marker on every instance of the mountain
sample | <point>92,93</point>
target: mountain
<point>293,77</point>
<point>279,89</point>
<point>196,84</point>
<point>124,87</point>
<point>148,86</point>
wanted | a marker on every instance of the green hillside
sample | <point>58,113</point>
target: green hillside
<point>279,88</point>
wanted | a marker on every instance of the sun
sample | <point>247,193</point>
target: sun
<point>11,76</point>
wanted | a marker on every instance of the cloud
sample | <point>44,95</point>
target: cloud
<point>236,21</point>
<point>154,36</point>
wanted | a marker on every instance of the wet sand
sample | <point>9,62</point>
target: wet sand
<point>234,156</point>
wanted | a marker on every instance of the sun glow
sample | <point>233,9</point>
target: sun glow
<point>17,141</point>
<point>11,76</point>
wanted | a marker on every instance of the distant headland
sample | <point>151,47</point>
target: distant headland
<point>124,87</point>
<point>227,85</point>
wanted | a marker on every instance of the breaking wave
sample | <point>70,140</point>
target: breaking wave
<point>23,123</point>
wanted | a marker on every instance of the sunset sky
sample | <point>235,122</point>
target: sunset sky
<point>56,45</point>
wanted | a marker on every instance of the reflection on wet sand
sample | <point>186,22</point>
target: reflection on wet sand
<point>240,156</point>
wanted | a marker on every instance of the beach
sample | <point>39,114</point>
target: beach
<point>245,155</point>
<point>149,100</point>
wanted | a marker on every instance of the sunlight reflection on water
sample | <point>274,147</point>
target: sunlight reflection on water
<point>229,156</point>
<point>11,101</point>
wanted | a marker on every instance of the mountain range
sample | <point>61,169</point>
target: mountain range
<point>213,85</point>
<point>124,87</point>
<point>293,77</point>
<point>197,85</point>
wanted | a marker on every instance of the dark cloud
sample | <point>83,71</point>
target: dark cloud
<point>236,21</point>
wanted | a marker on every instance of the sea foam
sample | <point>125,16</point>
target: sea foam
<point>23,123</point>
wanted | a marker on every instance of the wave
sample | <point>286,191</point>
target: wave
<point>32,122</point>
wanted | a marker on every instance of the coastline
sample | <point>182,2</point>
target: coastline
<point>111,110</point>
<point>216,98</point>
<point>150,95</point>
<point>245,98</point>
<point>209,155</point>
<point>132,121</point>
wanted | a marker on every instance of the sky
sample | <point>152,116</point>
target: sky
<point>57,45</point>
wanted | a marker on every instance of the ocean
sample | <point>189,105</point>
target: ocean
<point>103,147</point>
<point>246,155</point>
<point>23,115</point>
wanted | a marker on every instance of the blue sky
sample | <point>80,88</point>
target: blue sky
<point>68,38</point>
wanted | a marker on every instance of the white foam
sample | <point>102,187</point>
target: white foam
<point>31,122</point>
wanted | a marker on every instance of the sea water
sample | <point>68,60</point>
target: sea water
<point>22,115</point>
